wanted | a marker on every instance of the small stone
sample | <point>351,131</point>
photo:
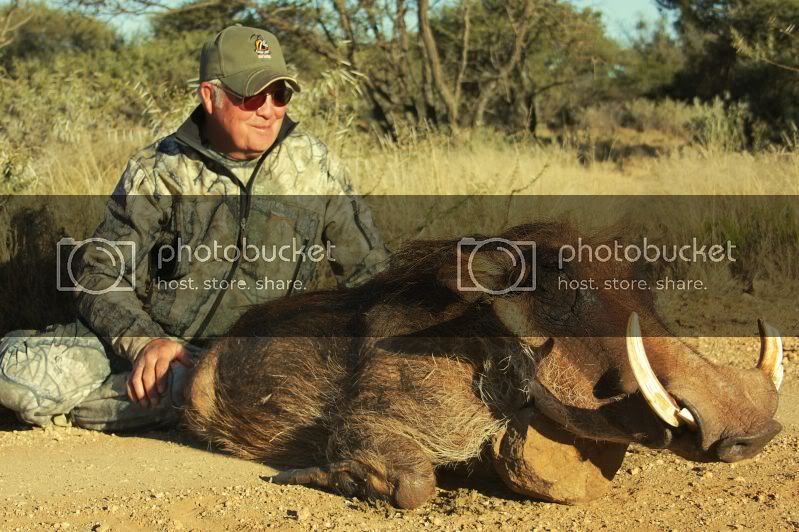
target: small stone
<point>634,471</point>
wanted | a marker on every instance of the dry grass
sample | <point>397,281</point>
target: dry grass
<point>454,181</point>
<point>435,164</point>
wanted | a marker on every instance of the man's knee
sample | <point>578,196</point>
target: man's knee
<point>46,373</point>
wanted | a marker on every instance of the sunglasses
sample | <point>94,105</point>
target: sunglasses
<point>280,92</point>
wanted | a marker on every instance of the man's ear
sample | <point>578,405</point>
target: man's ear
<point>207,97</point>
<point>477,271</point>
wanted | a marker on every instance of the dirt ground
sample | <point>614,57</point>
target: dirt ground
<point>71,479</point>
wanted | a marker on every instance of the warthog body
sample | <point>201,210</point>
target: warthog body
<point>368,390</point>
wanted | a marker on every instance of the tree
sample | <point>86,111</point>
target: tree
<point>771,47</point>
<point>198,15</point>
<point>717,35</point>
<point>450,64</point>
<point>652,61</point>
<point>41,31</point>
<point>12,18</point>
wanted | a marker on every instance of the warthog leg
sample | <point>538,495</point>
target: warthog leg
<point>353,478</point>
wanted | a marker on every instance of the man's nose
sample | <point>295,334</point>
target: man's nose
<point>267,110</point>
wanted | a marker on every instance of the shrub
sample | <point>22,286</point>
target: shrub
<point>720,128</point>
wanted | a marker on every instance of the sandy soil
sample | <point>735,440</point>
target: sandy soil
<point>71,479</point>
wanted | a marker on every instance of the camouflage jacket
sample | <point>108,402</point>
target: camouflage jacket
<point>181,213</point>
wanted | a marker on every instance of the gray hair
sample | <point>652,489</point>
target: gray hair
<point>218,90</point>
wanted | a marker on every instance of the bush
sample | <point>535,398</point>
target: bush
<point>719,127</point>
<point>50,31</point>
<point>716,126</point>
<point>666,116</point>
<point>66,97</point>
<point>16,174</point>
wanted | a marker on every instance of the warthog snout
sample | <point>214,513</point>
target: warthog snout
<point>738,448</point>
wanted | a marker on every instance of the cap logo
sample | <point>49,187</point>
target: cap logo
<point>262,50</point>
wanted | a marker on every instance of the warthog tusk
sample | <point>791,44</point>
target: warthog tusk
<point>653,391</point>
<point>770,353</point>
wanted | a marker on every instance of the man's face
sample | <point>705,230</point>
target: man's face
<point>242,129</point>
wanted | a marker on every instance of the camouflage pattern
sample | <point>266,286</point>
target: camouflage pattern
<point>178,192</point>
<point>63,376</point>
<point>46,374</point>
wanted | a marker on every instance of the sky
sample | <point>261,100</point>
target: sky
<point>620,16</point>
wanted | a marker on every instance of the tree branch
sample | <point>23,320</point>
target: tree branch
<point>434,62</point>
<point>465,51</point>
<point>7,33</point>
<point>503,71</point>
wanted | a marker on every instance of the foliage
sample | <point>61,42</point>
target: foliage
<point>399,71</point>
<point>652,61</point>
<point>65,97</point>
<point>48,31</point>
<point>665,116</point>
<point>199,15</point>
<point>16,175</point>
<point>451,65</point>
<point>712,30</point>
<point>722,128</point>
<point>565,62</point>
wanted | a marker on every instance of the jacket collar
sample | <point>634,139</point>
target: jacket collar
<point>192,134</point>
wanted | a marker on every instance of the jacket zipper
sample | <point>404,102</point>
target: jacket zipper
<point>244,213</point>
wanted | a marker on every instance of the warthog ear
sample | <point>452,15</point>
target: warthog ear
<point>472,276</point>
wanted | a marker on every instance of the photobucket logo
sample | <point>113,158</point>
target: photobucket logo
<point>291,252</point>
<point>521,257</point>
<point>116,256</point>
<point>618,252</point>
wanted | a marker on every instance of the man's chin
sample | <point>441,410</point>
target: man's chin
<point>261,144</point>
<point>263,138</point>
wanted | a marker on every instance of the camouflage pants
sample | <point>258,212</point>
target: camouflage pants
<point>64,374</point>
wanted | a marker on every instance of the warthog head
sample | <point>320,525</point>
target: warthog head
<point>601,364</point>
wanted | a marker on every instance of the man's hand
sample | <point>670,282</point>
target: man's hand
<point>148,380</point>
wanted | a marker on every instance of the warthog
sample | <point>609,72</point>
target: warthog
<point>368,391</point>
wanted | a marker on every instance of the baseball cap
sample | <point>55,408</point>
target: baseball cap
<point>246,60</point>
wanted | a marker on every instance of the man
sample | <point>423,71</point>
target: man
<point>205,226</point>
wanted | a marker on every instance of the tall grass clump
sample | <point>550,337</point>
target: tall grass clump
<point>720,127</point>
